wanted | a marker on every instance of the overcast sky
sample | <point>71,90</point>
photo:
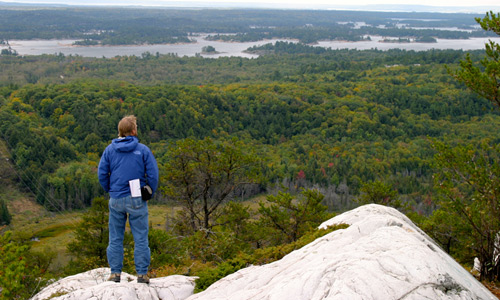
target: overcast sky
<point>369,2</point>
<point>313,4</point>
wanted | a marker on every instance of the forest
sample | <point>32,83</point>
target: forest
<point>313,131</point>
<point>340,118</point>
<point>125,26</point>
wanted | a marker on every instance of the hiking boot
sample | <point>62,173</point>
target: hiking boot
<point>114,277</point>
<point>143,279</point>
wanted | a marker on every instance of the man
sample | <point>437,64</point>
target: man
<point>124,165</point>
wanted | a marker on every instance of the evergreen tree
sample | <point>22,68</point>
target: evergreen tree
<point>5,216</point>
<point>484,80</point>
<point>91,237</point>
<point>468,177</point>
<point>91,240</point>
<point>291,218</point>
<point>379,192</point>
<point>468,183</point>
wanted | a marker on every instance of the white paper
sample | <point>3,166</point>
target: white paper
<point>135,187</point>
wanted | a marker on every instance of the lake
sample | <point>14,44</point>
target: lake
<point>37,47</point>
<point>470,44</point>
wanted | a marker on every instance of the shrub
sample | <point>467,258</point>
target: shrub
<point>260,256</point>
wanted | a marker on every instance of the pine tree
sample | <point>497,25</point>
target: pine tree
<point>5,216</point>
<point>484,79</point>
<point>91,240</point>
<point>91,236</point>
<point>468,176</point>
<point>291,218</point>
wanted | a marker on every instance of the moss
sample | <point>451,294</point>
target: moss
<point>57,294</point>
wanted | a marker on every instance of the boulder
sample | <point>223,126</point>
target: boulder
<point>382,255</point>
<point>93,285</point>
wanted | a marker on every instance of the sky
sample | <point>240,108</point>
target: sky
<point>368,2</point>
<point>481,5</point>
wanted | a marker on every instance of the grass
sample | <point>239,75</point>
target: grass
<point>159,214</point>
<point>54,231</point>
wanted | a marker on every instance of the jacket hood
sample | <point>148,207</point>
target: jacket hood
<point>126,144</point>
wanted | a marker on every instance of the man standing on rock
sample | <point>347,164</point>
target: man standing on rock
<point>128,167</point>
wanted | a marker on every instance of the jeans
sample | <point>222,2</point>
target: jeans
<point>137,211</point>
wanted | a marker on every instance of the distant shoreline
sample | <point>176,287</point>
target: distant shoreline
<point>71,44</point>
<point>54,46</point>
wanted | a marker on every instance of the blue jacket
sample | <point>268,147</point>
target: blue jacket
<point>123,160</point>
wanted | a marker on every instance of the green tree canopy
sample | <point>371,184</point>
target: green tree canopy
<point>468,182</point>
<point>21,270</point>
<point>484,79</point>
<point>12,267</point>
<point>468,176</point>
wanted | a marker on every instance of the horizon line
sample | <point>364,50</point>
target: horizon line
<point>261,5</point>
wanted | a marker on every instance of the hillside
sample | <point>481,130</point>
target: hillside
<point>30,220</point>
<point>21,205</point>
<point>342,119</point>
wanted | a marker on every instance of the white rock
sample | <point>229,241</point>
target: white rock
<point>382,255</point>
<point>94,285</point>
